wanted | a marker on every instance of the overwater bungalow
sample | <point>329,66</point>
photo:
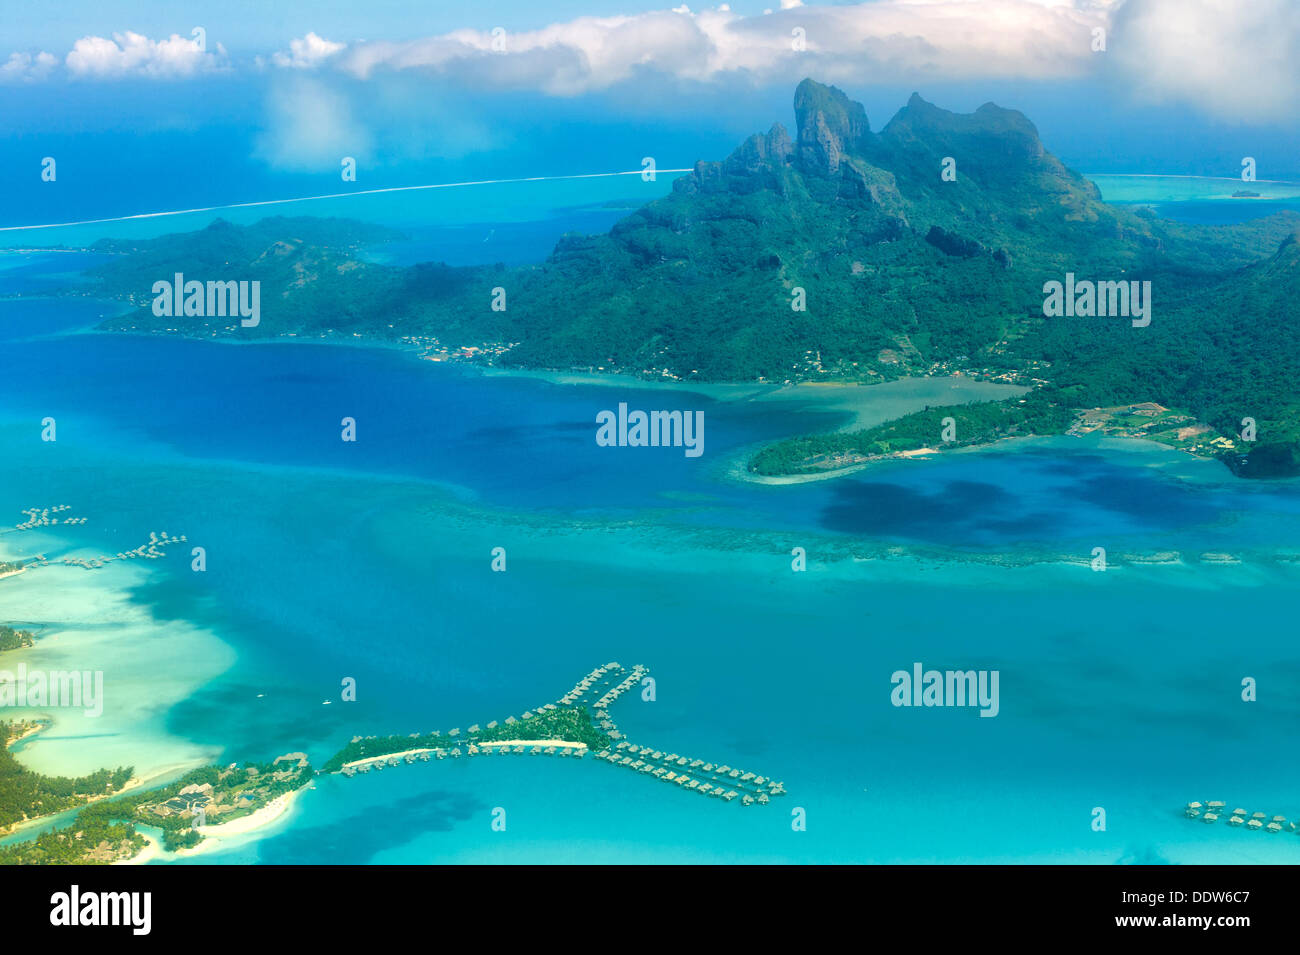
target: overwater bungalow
<point>1255,824</point>
<point>1210,817</point>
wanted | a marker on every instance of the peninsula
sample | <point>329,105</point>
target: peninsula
<point>216,801</point>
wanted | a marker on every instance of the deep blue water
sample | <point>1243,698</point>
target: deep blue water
<point>371,561</point>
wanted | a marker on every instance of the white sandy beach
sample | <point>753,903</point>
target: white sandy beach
<point>151,851</point>
<point>215,837</point>
<point>272,811</point>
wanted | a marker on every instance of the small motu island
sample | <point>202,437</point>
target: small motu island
<point>1039,413</point>
<point>564,728</point>
<point>11,639</point>
<point>26,796</point>
<point>218,800</point>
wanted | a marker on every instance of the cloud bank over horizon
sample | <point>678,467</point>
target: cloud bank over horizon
<point>1230,62</point>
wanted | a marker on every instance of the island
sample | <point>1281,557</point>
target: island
<point>565,728</point>
<point>215,801</point>
<point>836,254</point>
<point>11,639</point>
<point>26,796</point>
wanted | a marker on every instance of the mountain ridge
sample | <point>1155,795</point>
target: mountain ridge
<point>836,252</point>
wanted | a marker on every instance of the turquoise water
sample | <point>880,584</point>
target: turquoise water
<point>1200,199</point>
<point>370,561</point>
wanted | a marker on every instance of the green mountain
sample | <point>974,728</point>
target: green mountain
<point>899,269</point>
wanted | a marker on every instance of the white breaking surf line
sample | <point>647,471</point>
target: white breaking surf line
<point>336,195</point>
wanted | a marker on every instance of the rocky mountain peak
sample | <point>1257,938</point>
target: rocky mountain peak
<point>830,125</point>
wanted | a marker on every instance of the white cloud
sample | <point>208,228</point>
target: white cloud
<point>307,52</point>
<point>25,68</point>
<point>311,127</point>
<point>131,54</point>
<point>882,40</point>
<point>1231,59</point>
<point>1234,60</point>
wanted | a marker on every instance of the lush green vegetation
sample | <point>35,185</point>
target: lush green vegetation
<point>1040,412</point>
<point>9,566</point>
<point>262,782</point>
<point>88,840</point>
<point>25,794</point>
<point>902,272</point>
<point>11,639</point>
<point>106,829</point>
<point>563,723</point>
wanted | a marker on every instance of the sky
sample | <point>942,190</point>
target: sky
<point>271,95</point>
